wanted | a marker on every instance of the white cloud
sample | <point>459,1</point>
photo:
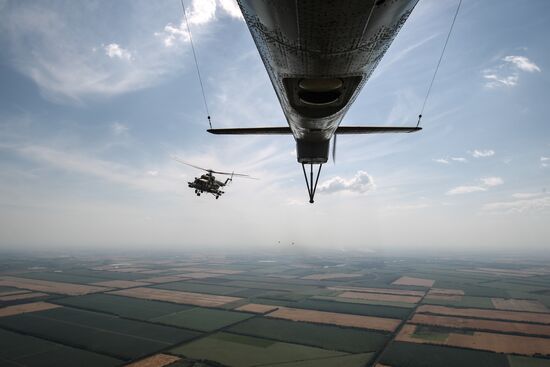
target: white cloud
<point>408,206</point>
<point>459,159</point>
<point>507,73</point>
<point>492,181</point>
<point>494,80</point>
<point>544,161</point>
<point>522,63</point>
<point>465,190</point>
<point>482,153</point>
<point>485,184</point>
<point>202,12</point>
<point>450,160</point>
<point>118,128</point>
<point>526,195</point>
<point>231,7</point>
<point>114,50</point>
<point>48,43</point>
<point>361,183</point>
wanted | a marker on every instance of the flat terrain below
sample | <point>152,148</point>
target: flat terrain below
<point>217,310</point>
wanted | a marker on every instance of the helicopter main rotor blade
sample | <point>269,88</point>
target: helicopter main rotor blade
<point>212,171</point>
<point>234,174</point>
<point>191,165</point>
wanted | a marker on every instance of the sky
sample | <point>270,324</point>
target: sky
<point>96,97</point>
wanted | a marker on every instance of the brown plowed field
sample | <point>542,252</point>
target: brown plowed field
<point>10,293</point>
<point>474,324</point>
<point>208,270</point>
<point>445,297</point>
<point>381,297</point>
<point>256,308</point>
<point>333,318</point>
<point>15,297</point>
<point>189,298</point>
<point>128,270</point>
<point>486,314</point>
<point>534,271</point>
<point>446,292</point>
<point>25,308</point>
<point>518,305</point>
<point>164,279</point>
<point>325,276</point>
<point>499,343</point>
<point>399,292</point>
<point>495,273</point>
<point>200,275</point>
<point>156,271</point>
<point>121,284</point>
<point>419,282</point>
<point>158,360</point>
<point>50,287</point>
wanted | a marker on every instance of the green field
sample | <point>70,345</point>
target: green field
<point>284,296</point>
<point>187,286</point>
<point>352,360</point>
<point>354,308</point>
<point>400,354</point>
<point>123,306</point>
<point>322,336</point>
<point>270,286</point>
<point>519,287</point>
<point>519,361</point>
<point>466,301</point>
<point>4,289</point>
<point>61,277</point>
<point>101,333</point>
<point>203,319</point>
<point>251,292</point>
<point>365,301</point>
<point>24,350</point>
<point>244,351</point>
<point>107,275</point>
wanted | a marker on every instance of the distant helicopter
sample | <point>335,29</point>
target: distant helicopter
<point>208,183</point>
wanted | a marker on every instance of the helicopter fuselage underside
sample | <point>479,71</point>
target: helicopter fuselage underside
<point>318,55</point>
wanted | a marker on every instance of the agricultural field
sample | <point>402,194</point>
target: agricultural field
<point>334,318</point>
<point>353,308</point>
<point>23,350</point>
<point>422,355</point>
<point>239,350</point>
<point>97,332</point>
<point>133,308</point>
<point>293,311</point>
<point>189,286</point>
<point>203,319</point>
<point>322,336</point>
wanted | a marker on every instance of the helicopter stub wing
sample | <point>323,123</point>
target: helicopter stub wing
<point>282,130</point>
<point>341,130</point>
